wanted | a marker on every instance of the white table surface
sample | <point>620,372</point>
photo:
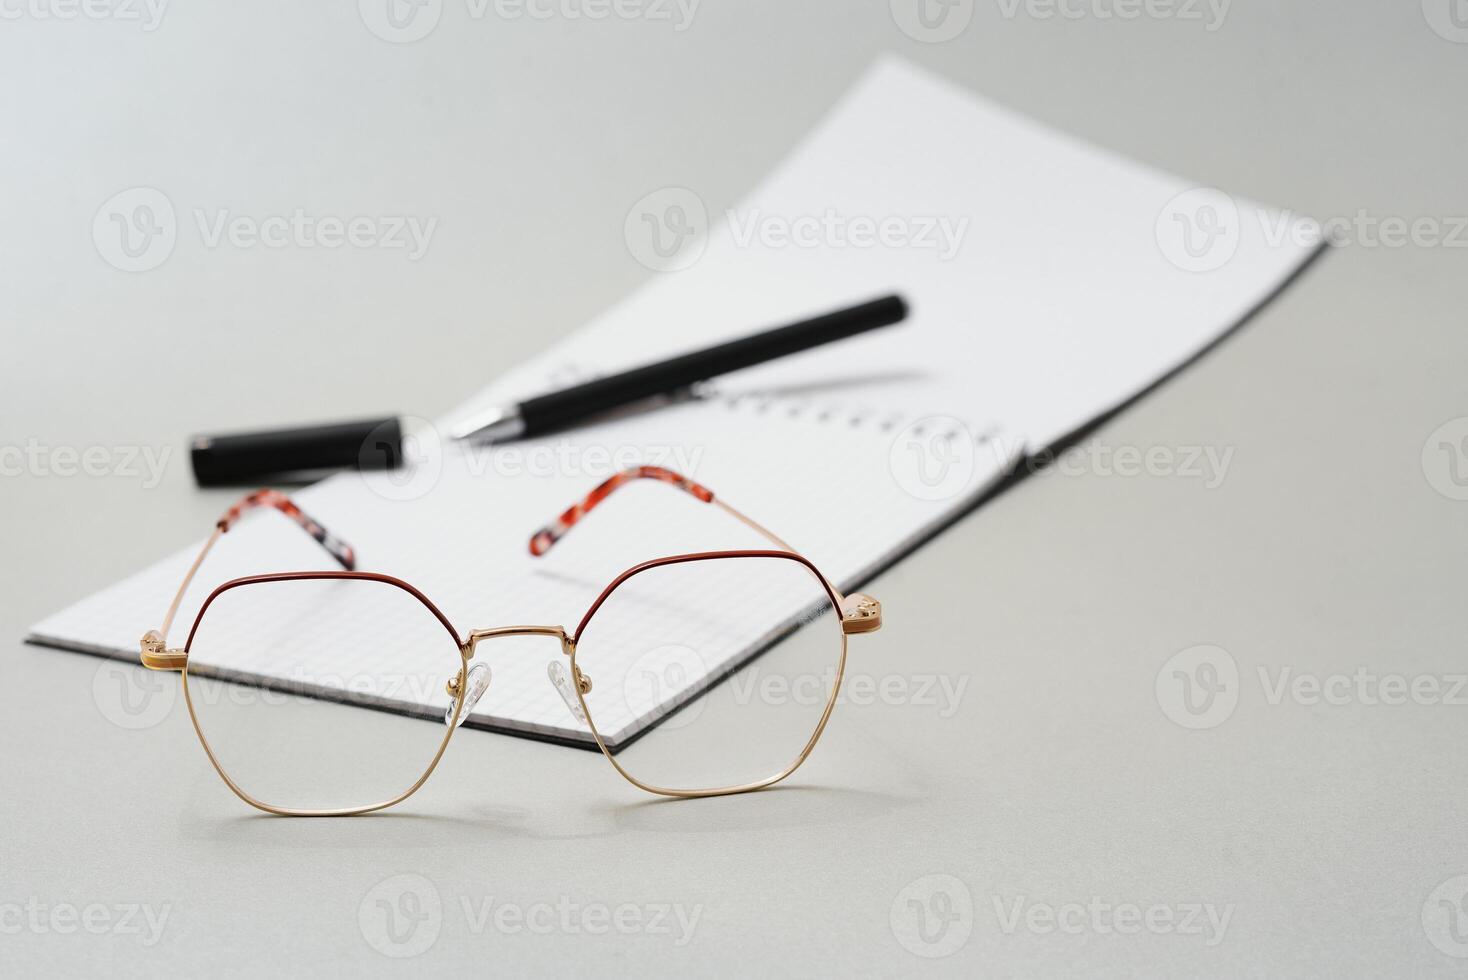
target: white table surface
<point>1329,834</point>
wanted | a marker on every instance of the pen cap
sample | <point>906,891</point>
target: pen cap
<point>248,457</point>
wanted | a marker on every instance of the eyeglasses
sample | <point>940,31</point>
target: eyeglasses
<point>659,669</point>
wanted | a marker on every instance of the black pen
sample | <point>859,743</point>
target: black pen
<point>377,443</point>
<point>568,406</point>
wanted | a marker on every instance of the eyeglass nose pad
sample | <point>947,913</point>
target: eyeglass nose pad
<point>479,678</point>
<point>556,671</point>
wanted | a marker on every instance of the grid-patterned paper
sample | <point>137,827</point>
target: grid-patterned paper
<point>464,542</point>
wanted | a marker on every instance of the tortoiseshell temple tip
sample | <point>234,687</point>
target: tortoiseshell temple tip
<point>345,556</point>
<point>542,540</point>
<point>860,613</point>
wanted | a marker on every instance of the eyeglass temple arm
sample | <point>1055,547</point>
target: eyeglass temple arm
<point>336,547</point>
<point>860,613</point>
<point>154,646</point>
<point>542,540</point>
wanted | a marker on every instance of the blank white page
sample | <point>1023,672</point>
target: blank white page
<point>1068,291</point>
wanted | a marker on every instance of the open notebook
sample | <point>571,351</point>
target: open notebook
<point>1053,305</point>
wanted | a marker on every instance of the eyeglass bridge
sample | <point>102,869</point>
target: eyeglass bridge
<point>557,674</point>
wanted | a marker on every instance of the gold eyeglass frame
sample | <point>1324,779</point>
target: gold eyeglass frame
<point>857,613</point>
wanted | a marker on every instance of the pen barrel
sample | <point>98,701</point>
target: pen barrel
<point>561,408</point>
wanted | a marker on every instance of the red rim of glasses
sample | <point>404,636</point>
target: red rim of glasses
<point>438,613</point>
<point>235,583</point>
<point>700,556</point>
